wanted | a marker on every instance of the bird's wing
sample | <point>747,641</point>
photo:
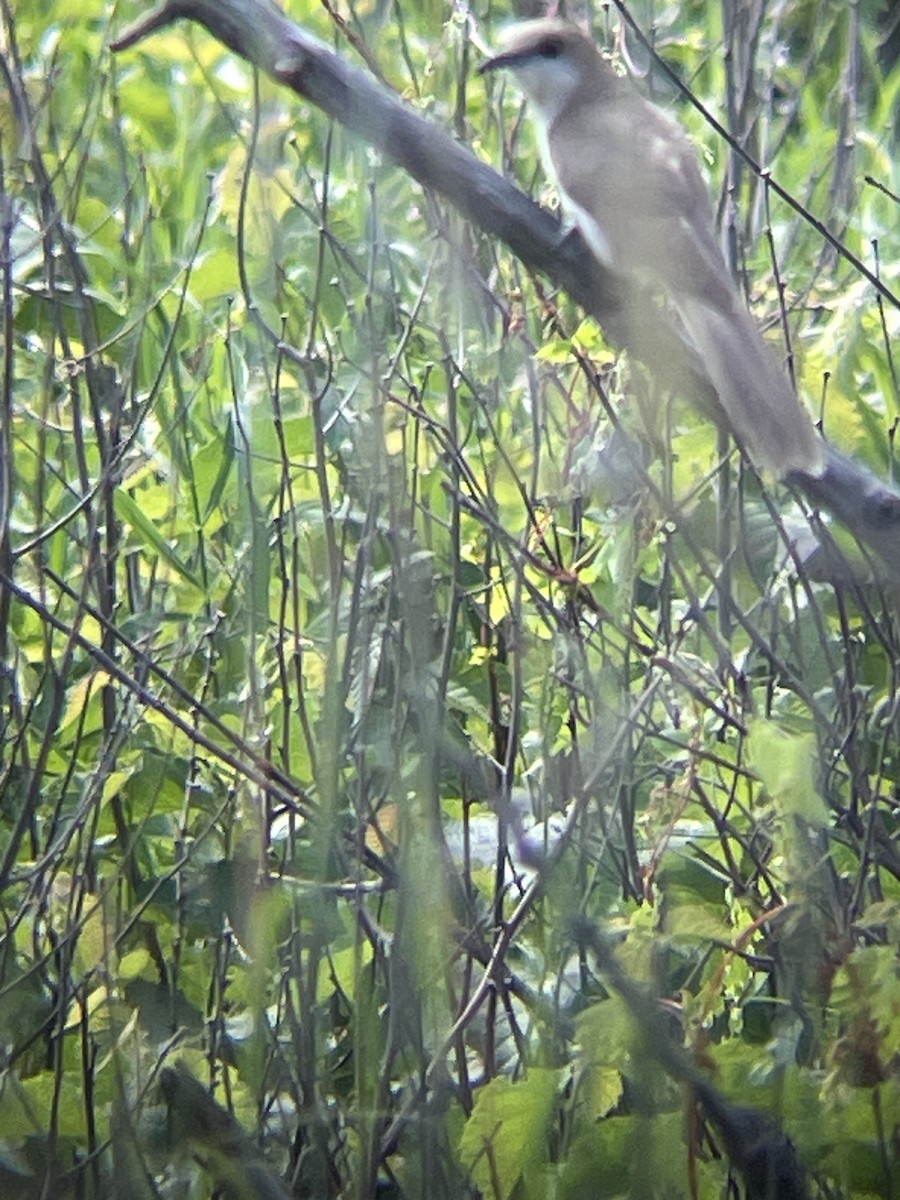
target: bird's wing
<point>641,185</point>
<point>639,193</point>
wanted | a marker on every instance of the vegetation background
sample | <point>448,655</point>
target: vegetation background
<point>345,676</point>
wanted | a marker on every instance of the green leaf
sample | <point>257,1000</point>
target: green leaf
<point>787,763</point>
<point>507,1133</point>
<point>129,510</point>
<point>605,1032</point>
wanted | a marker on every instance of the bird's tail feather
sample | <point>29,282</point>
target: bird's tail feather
<point>755,393</point>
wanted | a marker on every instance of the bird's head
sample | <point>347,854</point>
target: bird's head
<point>551,60</point>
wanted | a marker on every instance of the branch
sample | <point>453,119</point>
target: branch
<point>261,33</point>
<point>755,1143</point>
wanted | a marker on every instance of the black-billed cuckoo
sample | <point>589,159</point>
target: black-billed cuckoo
<point>629,181</point>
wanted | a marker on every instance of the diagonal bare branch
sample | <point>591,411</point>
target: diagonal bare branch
<point>261,33</point>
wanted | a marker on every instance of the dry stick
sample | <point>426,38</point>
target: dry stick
<point>496,964</point>
<point>260,32</point>
<point>250,767</point>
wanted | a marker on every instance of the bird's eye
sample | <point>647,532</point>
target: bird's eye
<point>549,48</point>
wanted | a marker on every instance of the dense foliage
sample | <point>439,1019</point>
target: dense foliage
<point>367,627</point>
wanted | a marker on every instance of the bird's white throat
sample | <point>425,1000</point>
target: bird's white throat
<point>548,84</point>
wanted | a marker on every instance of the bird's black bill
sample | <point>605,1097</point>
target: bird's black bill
<point>493,64</point>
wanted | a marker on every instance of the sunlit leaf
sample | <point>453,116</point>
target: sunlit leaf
<point>508,1129</point>
<point>129,510</point>
<point>788,765</point>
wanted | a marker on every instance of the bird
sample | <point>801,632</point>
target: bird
<point>629,181</point>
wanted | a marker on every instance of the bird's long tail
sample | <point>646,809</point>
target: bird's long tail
<point>755,393</point>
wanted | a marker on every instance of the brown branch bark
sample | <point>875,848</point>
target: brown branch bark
<point>261,33</point>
